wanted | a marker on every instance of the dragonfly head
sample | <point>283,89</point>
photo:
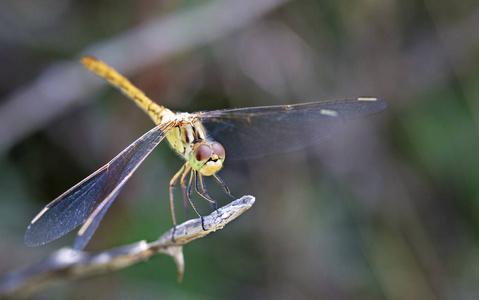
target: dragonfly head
<point>207,158</point>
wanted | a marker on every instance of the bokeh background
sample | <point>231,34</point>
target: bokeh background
<point>388,209</point>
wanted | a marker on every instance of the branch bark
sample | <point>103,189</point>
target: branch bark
<point>66,264</point>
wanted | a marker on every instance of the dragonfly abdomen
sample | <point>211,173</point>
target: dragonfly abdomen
<point>156,112</point>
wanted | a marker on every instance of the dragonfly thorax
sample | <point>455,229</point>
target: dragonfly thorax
<point>189,139</point>
<point>187,129</point>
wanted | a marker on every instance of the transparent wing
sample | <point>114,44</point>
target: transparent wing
<point>92,196</point>
<point>259,131</point>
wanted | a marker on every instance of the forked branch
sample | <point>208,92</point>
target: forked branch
<point>64,264</point>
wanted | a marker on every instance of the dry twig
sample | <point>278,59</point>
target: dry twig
<point>65,264</point>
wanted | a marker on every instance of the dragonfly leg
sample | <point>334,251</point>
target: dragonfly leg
<point>190,183</point>
<point>183,189</point>
<point>203,193</point>
<point>172,186</point>
<point>172,205</point>
<point>227,190</point>
<point>203,187</point>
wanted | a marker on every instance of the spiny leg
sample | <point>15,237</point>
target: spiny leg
<point>172,205</point>
<point>183,189</point>
<point>172,186</point>
<point>190,183</point>
<point>227,190</point>
<point>204,192</point>
<point>203,187</point>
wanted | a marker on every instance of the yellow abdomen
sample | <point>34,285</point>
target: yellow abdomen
<point>156,112</point>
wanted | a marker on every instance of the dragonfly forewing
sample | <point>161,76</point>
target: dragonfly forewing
<point>260,131</point>
<point>88,201</point>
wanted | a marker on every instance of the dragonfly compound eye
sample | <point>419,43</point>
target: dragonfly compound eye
<point>218,150</point>
<point>203,152</point>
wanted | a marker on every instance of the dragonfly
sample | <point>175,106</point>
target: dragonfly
<point>246,133</point>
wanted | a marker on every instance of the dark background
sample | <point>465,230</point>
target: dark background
<point>387,209</point>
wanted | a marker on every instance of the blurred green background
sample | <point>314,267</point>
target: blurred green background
<point>387,209</point>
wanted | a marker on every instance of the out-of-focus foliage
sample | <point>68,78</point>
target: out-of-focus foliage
<point>387,209</point>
